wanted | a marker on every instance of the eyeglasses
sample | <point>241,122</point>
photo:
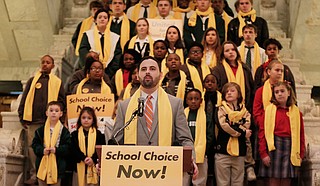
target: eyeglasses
<point>196,51</point>
<point>96,69</point>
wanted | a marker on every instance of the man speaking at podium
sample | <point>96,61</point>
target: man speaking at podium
<point>163,122</point>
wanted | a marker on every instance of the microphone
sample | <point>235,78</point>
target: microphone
<point>141,106</point>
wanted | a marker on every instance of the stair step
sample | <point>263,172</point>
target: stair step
<point>69,21</point>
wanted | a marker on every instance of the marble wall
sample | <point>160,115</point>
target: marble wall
<point>26,33</point>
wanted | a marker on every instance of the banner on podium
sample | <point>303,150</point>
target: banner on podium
<point>141,165</point>
<point>102,104</point>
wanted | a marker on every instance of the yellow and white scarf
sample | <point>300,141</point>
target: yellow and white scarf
<point>106,48</point>
<point>211,22</point>
<point>295,126</point>
<point>227,20</point>
<point>92,177</point>
<point>234,117</point>
<point>119,81</point>
<point>253,16</point>
<point>133,42</point>
<point>200,134</point>
<point>181,86</point>
<point>177,12</point>
<point>105,89</point>
<point>256,58</point>
<point>54,84</point>
<point>238,78</point>
<point>85,25</point>
<point>48,170</point>
<point>164,119</point>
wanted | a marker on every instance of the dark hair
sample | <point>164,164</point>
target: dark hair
<point>207,76</point>
<point>179,43</point>
<point>47,55</point>
<point>88,65</point>
<point>91,112</point>
<point>247,26</point>
<point>193,90</point>
<point>136,55</point>
<point>196,44</point>
<point>95,4</point>
<point>99,11</point>
<point>160,41</point>
<point>135,66</point>
<point>222,51</point>
<point>174,54</point>
<point>272,41</point>
<point>291,99</point>
<point>55,103</point>
<point>147,58</point>
<point>227,86</point>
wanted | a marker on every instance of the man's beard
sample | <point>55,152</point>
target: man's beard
<point>149,83</point>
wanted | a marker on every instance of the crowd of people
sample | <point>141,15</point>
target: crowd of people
<point>217,85</point>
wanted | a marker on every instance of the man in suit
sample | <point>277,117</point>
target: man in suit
<point>153,128</point>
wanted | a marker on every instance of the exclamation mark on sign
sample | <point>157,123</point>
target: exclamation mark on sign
<point>103,106</point>
<point>164,169</point>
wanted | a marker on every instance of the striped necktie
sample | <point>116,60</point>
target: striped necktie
<point>149,113</point>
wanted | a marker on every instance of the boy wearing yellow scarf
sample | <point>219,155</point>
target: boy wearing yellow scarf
<point>183,11</point>
<point>51,145</point>
<point>202,132</point>
<point>195,68</point>
<point>247,15</point>
<point>251,53</point>
<point>199,21</point>
<point>144,8</point>
<point>39,91</point>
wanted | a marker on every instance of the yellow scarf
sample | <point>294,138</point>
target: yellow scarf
<point>181,86</point>
<point>105,89</point>
<point>256,58</point>
<point>164,119</point>
<point>119,81</point>
<point>269,125</point>
<point>133,41</point>
<point>211,22</point>
<point>227,20</point>
<point>180,53</point>
<point>86,25</point>
<point>177,12</point>
<point>200,136</point>
<point>125,30</point>
<point>266,94</point>
<point>213,61</point>
<point>152,13</point>
<point>54,84</point>
<point>195,77</point>
<point>239,78</point>
<point>164,68</point>
<point>127,91</point>
<point>92,177</point>
<point>106,47</point>
<point>253,16</point>
<point>234,116</point>
<point>48,166</point>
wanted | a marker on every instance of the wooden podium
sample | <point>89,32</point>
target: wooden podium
<point>124,165</point>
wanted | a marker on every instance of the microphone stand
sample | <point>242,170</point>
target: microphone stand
<point>134,114</point>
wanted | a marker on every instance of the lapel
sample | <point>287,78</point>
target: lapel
<point>142,121</point>
<point>155,121</point>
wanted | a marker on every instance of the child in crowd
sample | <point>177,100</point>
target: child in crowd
<point>201,130</point>
<point>281,138</point>
<point>233,123</point>
<point>175,43</point>
<point>84,141</point>
<point>212,99</point>
<point>51,144</point>
<point>212,47</point>
<point>133,86</point>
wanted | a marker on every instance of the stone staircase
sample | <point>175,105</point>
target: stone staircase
<point>311,166</point>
